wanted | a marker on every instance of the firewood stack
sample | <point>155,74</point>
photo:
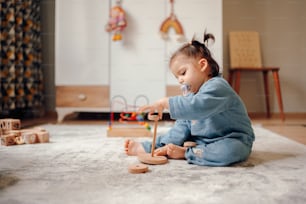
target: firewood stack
<point>12,134</point>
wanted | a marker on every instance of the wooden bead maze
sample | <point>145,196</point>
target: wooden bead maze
<point>131,123</point>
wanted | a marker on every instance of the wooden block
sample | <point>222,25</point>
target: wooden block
<point>8,139</point>
<point>42,136</point>
<point>29,137</point>
<point>128,132</point>
<point>11,134</point>
<point>39,129</point>
<point>19,140</point>
<point>10,124</point>
<point>16,132</point>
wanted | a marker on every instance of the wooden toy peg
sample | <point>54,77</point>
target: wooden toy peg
<point>155,118</point>
<point>150,158</point>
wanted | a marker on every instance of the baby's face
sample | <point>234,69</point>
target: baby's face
<point>188,72</point>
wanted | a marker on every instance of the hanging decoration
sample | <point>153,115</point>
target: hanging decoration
<point>117,21</point>
<point>172,22</point>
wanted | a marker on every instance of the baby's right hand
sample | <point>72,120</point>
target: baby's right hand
<point>157,107</point>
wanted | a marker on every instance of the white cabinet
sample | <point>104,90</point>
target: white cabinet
<point>91,69</point>
<point>82,56</point>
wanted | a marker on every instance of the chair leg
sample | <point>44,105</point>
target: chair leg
<point>237,81</point>
<point>230,77</point>
<point>266,83</point>
<point>278,93</point>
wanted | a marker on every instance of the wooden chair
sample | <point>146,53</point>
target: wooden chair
<point>245,56</point>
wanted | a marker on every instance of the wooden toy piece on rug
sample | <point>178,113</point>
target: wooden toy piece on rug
<point>138,168</point>
<point>9,131</point>
<point>29,137</point>
<point>11,134</point>
<point>10,124</point>
<point>150,158</point>
<point>8,139</point>
<point>25,136</point>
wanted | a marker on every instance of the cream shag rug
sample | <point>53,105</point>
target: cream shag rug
<point>82,165</point>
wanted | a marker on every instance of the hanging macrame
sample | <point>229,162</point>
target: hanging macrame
<point>117,21</point>
<point>172,22</point>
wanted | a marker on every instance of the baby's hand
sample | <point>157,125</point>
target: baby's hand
<point>157,107</point>
<point>162,151</point>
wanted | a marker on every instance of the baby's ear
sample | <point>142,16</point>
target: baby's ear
<point>203,64</point>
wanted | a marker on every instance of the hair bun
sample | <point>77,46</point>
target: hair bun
<point>208,36</point>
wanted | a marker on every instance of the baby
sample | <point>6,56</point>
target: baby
<point>209,113</point>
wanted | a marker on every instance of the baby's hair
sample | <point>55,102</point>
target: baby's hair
<point>199,50</point>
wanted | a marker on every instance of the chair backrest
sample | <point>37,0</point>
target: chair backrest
<point>244,49</point>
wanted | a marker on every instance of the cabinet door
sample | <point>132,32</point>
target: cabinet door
<point>138,61</point>
<point>82,45</point>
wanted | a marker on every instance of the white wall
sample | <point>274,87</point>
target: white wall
<point>81,56</point>
<point>196,16</point>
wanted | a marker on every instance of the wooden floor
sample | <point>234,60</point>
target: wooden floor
<point>293,127</point>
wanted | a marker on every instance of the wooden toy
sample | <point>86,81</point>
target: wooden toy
<point>11,134</point>
<point>19,140</point>
<point>42,136</point>
<point>8,139</point>
<point>138,168</point>
<point>29,137</point>
<point>190,144</point>
<point>9,124</point>
<point>128,132</point>
<point>150,158</point>
<point>131,123</point>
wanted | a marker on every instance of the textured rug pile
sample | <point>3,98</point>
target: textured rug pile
<point>82,165</point>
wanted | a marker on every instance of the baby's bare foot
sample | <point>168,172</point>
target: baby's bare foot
<point>176,152</point>
<point>133,148</point>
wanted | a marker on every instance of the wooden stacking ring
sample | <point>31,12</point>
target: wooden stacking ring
<point>138,168</point>
<point>149,159</point>
<point>190,144</point>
